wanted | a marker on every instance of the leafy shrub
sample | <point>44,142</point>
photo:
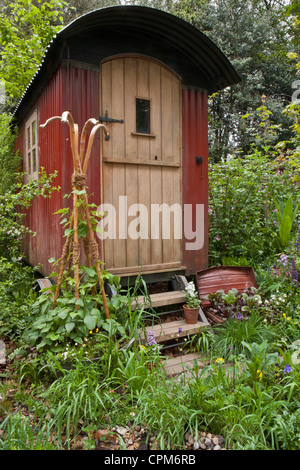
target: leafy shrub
<point>12,206</point>
<point>242,213</point>
<point>230,337</point>
<point>9,161</point>
<point>17,295</point>
<point>70,320</point>
<point>285,430</point>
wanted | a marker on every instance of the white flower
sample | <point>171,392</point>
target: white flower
<point>190,288</point>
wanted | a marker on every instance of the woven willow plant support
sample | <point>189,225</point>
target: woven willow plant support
<point>81,157</point>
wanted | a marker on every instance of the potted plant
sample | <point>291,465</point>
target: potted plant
<point>191,308</point>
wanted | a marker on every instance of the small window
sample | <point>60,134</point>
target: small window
<point>142,116</point>
<point>31,155</point>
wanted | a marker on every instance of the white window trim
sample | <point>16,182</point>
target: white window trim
<point>31,148</point>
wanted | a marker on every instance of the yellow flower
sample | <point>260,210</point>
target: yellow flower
<point>90,332</point>
<point>259,373</point>
<point>220,360</point>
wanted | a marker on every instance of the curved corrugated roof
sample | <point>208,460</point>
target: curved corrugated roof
<point>195,50</point>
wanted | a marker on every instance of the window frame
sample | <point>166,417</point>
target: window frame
<point>31,148</point>
<point>139,99</point>
<point>141,134</point>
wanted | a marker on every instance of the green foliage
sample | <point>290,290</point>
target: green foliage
<point>242,213</point>
<point>17,281</point>
<point>166,410</point>
<point>25,31</point>
<point>285,430</point>
<point>71,320</point>
<point>232,261</point>
<point>231,337</point>
<point>79,394</point>
<point>18,433</point>
<point>12,205</point>
<point>15,196</point>
<point>286,216</point>
<point>17,295</point>
<point>9,162</point>
<point>256,37</point>
<point>260,360</point>
<point>73,324</point>
<point>135,367</point>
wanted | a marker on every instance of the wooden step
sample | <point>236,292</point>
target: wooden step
<point>159,300</point>
<point>173,330</point>
<point>179,364</point>
<point>185,364</point>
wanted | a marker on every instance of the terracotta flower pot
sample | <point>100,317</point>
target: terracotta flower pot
<point>191,314</point>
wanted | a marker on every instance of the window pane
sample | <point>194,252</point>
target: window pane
<point>29,163</point>
<point>34,160</point>
<point>28,139</point>
<point>33,133</point>
<point>142,116</point>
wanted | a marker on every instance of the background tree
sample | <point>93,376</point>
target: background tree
<point>256,37</point>
<point>26,28</point>
<point>77,8</point>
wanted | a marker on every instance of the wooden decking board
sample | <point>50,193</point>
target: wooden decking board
<point>161,299</point>
<point>172,330</point>
<point>185,364</point>
<point>177,365</point>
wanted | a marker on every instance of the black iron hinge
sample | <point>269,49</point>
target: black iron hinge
<point>108,119</point>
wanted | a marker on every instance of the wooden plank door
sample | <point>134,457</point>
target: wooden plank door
<point>141,164</point>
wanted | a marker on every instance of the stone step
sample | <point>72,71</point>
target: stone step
<point>172,330</point>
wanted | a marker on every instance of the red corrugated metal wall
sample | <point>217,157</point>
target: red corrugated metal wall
<point>75,90</point>
<point>81,98</point>
<point>195,178</point>
<point>38,249</point>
